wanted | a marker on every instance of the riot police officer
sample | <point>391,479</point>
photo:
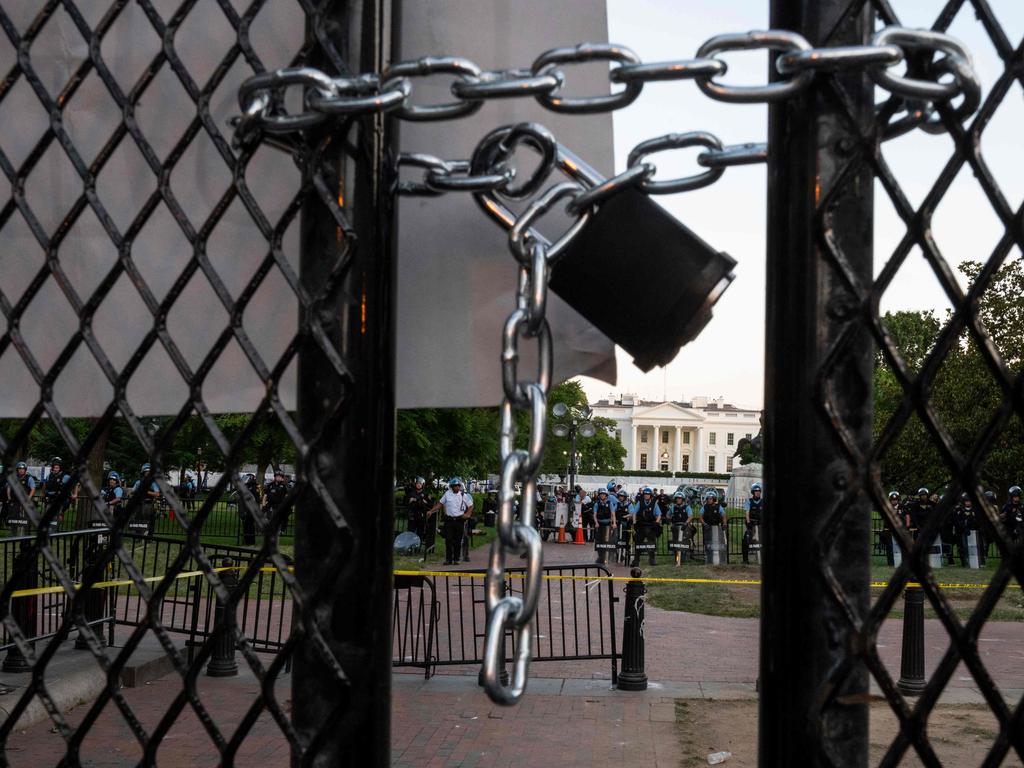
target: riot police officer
<point>753,514</point>
<point>3,495</point>
<point>886,537</point>
<point>680,515</point>
<point>646,516</point>
<point>273,499</point>
<point>113,494</point>
<point>58,492</point>
<point>964,521</point>
<point>16,514</point>
<point>623,539</point>
<point>712,515</point>
<point>417,499</point>
<point>1012,514</point>
<point>918,511</point>
<point>150,501</point>
<point>604,515</point>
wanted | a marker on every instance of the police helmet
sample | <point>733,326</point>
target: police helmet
<point>678,495</point>
<point>112,475</point>
<point>57,461</point>
<point>964,496</point>
<point>622,494</point>
<point>710,495</point>
<point>21,465</point>
<point>922,491</point>
<point>647,490</point>
<point>990,496</point>
<point>455,481</point>
<point>755,487</point>
<point>419,480</point>
<point>145,468</point>
<point>894,495</point>
<point>611,485</point>
<point>602,492</point>
<point>278,471</point>
<point>1014,490</point>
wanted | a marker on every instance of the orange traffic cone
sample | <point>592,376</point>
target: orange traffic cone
<point>561,534</point>
<point>579,535</point>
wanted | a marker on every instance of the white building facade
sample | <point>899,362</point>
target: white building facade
<point>700,435</point>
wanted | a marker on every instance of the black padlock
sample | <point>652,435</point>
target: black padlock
<point>639,244</point>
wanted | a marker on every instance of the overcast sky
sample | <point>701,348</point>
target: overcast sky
<point>728,358</point>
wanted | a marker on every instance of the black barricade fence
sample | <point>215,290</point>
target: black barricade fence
<point>264,609</point>
<point>46,612</point>
<point>575,617</point>
<point>414,623</point>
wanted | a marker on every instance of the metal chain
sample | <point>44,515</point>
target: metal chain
<point>489,175</point>
<point>262,101</point>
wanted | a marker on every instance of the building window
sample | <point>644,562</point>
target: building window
<point>729,438</point>
<point>664,466</point>
<point>643,461</point>
<point>712,438</point>
<point>618,435</point>
<point>711,463</point>
<point>686,464</point>
<point>664,436</point>
<point>748,435</point>
<point>643,435</point>
<point>728,464</point>
<point>686,438</point>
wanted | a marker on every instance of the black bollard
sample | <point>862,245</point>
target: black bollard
<point>95,599</point>
<point>23,609</point>
<point>223,663</point>
<point>633,677</point>
<point>911,682</point>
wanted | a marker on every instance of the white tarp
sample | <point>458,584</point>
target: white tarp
<point>456,275</point>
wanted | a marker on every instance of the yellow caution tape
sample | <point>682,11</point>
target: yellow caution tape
<point>476,574</point>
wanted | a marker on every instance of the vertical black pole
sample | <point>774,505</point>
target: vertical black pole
<point>222,662</point>
<point>812,707</point>
<point>347,564</point>
<point>633,677</point>
<point>911,682</point>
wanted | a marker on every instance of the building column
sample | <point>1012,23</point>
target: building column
<point>632,453</point>
<point>678,458</point>
<point>698,450</point>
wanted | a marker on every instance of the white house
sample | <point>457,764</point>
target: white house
<point>696,436</point>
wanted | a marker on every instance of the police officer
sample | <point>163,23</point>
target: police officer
<point>646,516</point>
<point>458,507</point>
<point>3,495</point>
<point>28,485</point>
<point>753,513</point>
<point>604,515</point>
<point>886,537</point>
<point>680,514</point>
<point>1012,514</point>
<point>187,491</point>
<point>58,492</point>
<point>712,515</point>
<point>964,521</point>
<point>918,511</point>
<point>113,494</point>
<point>150,499</point>
<point>417,499</point>
<point>623,525</point>
<point>273,499</point>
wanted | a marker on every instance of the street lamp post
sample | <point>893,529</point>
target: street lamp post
<point>572,421</point>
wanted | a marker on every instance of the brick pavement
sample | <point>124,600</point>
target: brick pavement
<point>569,722</point>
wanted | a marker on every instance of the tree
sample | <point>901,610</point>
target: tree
<point>600,454</point>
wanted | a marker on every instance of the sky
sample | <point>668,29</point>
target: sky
<point>728,357</point>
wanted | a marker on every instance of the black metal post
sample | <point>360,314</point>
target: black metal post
<point>818,374</point>
<point>95,599</point>
<point>222,662</point>
<point>344,521</point>
<point>633,677</point>
<point>911,682</point>
<point>23,609</point>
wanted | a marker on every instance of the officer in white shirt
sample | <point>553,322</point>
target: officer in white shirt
<point>458,507</point>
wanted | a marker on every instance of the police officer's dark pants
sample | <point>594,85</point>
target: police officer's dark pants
<point>454,527</point>
<point>604,536</point>
<point>645,534</point>
<point>248,528</point>
<point>885,540</point>
<point>962,545</point>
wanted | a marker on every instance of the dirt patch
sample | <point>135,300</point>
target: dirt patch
<point>960,735</point>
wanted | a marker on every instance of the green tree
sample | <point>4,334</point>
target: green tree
<point>600,454</point>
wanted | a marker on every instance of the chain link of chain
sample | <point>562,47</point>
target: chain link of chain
<point>262,102</point>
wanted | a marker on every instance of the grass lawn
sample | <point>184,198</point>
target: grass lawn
<point>744,601</point>
<point>482,539</point>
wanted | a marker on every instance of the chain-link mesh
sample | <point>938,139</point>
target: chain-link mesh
<point>963,326</point>
<point>121,137</point>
